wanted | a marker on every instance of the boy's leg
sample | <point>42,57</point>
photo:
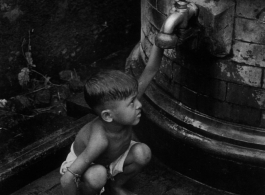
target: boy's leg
<point>94,180</point>
<point>139,155</point>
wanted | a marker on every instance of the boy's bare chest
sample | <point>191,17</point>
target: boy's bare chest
<point>116,148</point>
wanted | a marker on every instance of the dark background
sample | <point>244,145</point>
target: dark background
<point>63,35</point>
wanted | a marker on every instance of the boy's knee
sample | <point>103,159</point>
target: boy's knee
<point>142,153</point>
<point>96,176</point>
<point>65,180</point>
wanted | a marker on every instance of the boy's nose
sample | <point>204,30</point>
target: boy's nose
<point>139,104</point>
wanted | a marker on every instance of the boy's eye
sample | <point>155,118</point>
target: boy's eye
<point>132,102</point>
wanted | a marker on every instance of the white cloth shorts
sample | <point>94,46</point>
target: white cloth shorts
<point>114,168</point>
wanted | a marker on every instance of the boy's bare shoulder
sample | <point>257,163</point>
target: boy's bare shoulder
<point>91,131</point>
<point>93,127</point>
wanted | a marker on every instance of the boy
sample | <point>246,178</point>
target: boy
<point>103,148</point>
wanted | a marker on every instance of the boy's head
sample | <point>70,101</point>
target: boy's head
<point>106,86</point>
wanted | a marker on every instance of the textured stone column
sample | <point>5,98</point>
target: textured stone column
<point>209,93</point>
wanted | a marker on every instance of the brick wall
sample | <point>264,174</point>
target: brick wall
<point>225,77</point>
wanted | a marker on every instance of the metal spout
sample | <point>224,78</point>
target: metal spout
<point>175,29</point>
<point>179,16</point>
<point>181,4</point>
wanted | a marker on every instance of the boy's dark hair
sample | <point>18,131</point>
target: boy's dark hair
<point>109,85</point>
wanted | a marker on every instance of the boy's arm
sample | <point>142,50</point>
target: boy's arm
<point>96,146</point>
<point>164,39</point>
<point>150,69</point>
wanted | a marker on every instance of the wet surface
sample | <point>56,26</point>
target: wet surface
<point>28,131</point>
<point>155,179</point>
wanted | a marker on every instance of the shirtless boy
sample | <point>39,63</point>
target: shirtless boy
<point>103,149</point>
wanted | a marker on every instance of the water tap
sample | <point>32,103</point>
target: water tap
<point>176,27</point>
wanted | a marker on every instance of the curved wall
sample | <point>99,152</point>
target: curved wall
<point>230,87</point>
<point>209,93</point>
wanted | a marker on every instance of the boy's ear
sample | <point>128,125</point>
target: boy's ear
<point>106,115</point>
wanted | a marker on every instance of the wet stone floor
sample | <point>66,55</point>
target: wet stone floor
<point>155,179</point>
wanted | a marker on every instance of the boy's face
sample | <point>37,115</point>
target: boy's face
<point>128,111</point>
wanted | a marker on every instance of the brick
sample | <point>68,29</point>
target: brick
<point>164,6</point>
<point>262,120</point>
<point>218,19</point>
<point>263,85</point>
<point>166,67</point>
<point>249,9</point>
<point>135,64</point>
<point>143,55</point>
<point>245,115</point>
<point>170,53</point>
<point>155,17</point>
<point>229,112</point>
<point>197,63</point>
<point>170,70</point>
<point>167,84</point>
<point>152,33</point>
<point>202,84</point>
<point>134,67</point>
<point>249,53</point>
<point>206,105</point>
<point>188,79</point>
<point>228,71</point>
<point>149,30</point>
<point>176,72</point>
<point>142,36</point>
<point>175,90</point>
<point>249,31</point>
<point>212,87</point>
<point>145,25</point>
<point>146,46</point>
<point>246,96</point>
<point>188,97</point>
<point>152,2</point>
<point>144,9</point>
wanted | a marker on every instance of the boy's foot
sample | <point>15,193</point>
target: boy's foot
<point>121,191</point>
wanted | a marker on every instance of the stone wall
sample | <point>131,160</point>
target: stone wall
<point>224,77</point>
<point>63,34</point>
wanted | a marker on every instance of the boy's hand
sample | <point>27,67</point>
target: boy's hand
<point>166,41</point>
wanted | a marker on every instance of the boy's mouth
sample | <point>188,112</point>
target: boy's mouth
<point>139,114</point>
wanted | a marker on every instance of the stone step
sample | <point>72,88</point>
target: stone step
<point>155,179</point>
<point>37,157</point>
